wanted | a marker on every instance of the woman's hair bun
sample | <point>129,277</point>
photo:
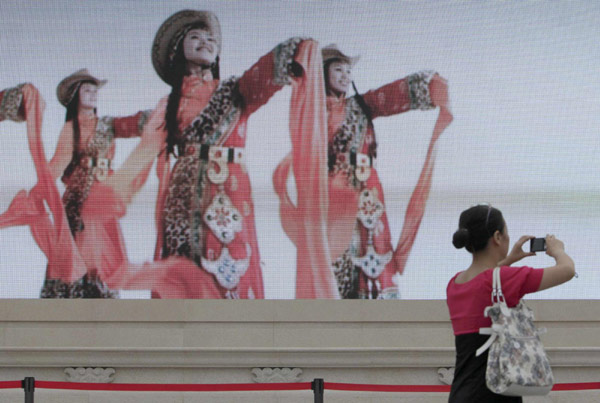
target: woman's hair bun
<point>460,238</point>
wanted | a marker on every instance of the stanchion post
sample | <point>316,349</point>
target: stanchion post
<point>318,387</point>
<point>28,385</point>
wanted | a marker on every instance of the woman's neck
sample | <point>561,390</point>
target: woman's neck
<point>336,94</point>
<point>199,70</point>
<point>483,261</point>
<point>86,112</point>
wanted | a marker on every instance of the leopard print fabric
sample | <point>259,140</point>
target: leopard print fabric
<point>210,125</point>
<point>283,57</point>
<point>180,210</point>
<point>186,195</point>
<point>11,103</point>
<point>86,287</point>
<point>349,137</point>
<point>346,273</point>
<point>82,178</point>
<point>418,85</point>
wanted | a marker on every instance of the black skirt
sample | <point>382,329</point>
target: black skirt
<point>468,385</point>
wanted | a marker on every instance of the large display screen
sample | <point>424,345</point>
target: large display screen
<point>523,91</point>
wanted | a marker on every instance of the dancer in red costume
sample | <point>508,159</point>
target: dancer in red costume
<point>69,273</point>
<point>51,233</point>
<point>204,210</point>
<point>83,158</point>
<point>362,257</point>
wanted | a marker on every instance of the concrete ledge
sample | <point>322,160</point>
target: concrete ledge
<point>423,311</point>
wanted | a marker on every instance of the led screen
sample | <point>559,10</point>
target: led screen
<point>363,174</point>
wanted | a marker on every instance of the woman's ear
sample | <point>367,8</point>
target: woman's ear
<point>497,237</point>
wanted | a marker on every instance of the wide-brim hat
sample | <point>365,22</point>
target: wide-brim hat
<point>331,52</point>
<point>170,33</point>
<point>68,87</point>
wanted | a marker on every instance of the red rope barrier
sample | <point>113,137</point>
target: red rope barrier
<point>386,388</point>
<point>240,387</point>
<point>164,387</point>
<point>355,387</point>
<point>11,385</point>
<point>577,386</point>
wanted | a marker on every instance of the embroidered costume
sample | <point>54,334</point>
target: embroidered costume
<point>366,268</point>
<point>52,235</point>
<point>95,158</point>
<point>205,212</point>
<point>99,239</point>
<point>358,234</point>
<point>90,261</point>
<point>208,212</point>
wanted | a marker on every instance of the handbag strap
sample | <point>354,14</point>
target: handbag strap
<point>497,300</point>
<point>497,295</point>
<point>488,342</point>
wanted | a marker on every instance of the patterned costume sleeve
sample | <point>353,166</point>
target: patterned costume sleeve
<point>11,104</point>
<point>402,95</point>
<point>269,74</point>
<point>131,126</point>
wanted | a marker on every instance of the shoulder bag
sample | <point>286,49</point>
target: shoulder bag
<point>517,364</point>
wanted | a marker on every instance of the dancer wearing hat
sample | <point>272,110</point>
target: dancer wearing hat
<point>86,144</point>
<point>78,267</point>
<point>92,250</point>
<point>27,208</point>
<point>83,158</point>
<point>359,241</point>
<point>204,210</point>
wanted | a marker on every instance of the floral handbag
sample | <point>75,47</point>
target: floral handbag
<point>517,364</point>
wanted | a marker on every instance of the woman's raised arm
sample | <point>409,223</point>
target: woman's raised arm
<point>563,270</point>
<point>270,73</point>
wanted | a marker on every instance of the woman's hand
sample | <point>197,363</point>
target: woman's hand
<point>563,271</point>
<point>517,253</point>
<point>554,246</point>
<point>154,133</point>
<point>438,91</point>
<point>31,95</point>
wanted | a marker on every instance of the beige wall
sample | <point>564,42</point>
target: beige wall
<point>183,341</point>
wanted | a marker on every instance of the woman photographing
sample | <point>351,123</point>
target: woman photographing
<point>484,233</point>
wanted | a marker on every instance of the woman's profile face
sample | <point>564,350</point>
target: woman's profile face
<point>200,47</point>
<point>88,96</point>
<point>339,77</point>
